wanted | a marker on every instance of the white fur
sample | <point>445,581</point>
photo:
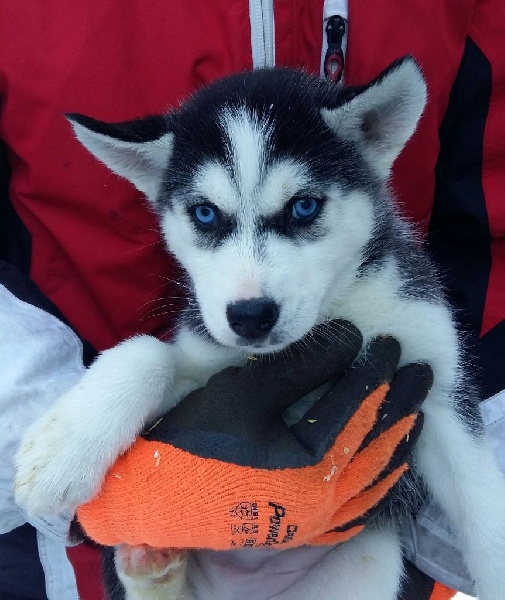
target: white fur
<point>212,181</point>
<point>248,139</point>
<point>65,455</point>
<point>364,568</point>
<point>282,181</point>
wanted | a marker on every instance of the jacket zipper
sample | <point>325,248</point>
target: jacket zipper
<point>261,16</point>
<point>333,64</point>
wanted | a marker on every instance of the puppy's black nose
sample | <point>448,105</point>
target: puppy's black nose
<point>252,319</point>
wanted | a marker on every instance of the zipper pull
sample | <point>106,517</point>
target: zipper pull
<point>334,57</point>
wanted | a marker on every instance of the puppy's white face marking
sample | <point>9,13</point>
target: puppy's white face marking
<point>248,140</point>
<point>302,268</point>
<point>214,183</point>
<point>282,181</point>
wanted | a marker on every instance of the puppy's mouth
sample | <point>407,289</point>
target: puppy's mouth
<point>270,343</point>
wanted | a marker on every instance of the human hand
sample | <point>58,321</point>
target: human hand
<point>223,470</point>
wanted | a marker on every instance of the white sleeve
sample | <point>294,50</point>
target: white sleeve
<point>429,541</point>
<point>40,359</point>
<point>493,415</point>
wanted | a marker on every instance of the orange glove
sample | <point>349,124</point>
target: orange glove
<point>222,469</point>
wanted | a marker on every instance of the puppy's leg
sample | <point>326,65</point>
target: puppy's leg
<point>65,454</point>
<point>463,476</point>
<point>152,573</point>
<point>368,566</point>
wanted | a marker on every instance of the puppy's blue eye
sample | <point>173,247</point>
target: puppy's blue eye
<point>205,214</point>
<point>304,208</point>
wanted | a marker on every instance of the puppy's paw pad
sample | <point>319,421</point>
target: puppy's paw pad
<point>153,564</point>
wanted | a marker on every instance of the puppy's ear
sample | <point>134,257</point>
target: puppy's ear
<point>137,150</point>
<point>381,117</point>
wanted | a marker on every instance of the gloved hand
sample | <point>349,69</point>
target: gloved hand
<point>223,470</point>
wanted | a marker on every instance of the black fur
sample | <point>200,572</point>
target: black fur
<point>146,129</point>
<point>113,586</point>
<point>290,110</point>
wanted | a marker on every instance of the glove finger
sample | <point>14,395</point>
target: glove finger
<point>317,430</point>
<point>360,508</point>
<point>353,515</point>
<point>366,466</point>
<point>409,388</point>
<point>403,449</point>
<point>375,496</point>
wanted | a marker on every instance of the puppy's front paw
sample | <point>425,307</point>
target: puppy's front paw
<point>148,572</point>
<point>58,465</point>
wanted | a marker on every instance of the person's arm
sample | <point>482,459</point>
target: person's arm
<point>40,357</point>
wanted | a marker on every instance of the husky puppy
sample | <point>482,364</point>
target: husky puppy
<point>272,192</point>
